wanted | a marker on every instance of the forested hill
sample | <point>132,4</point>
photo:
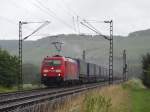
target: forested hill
<point>136,44</point>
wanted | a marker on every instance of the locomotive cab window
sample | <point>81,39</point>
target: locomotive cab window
<point>52,62</point>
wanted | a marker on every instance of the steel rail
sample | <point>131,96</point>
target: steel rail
<point>36,97</point>
<point>32,99</point>
<point>35,94</point>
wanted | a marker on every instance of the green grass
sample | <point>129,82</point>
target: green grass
<point>140,100</point>
<point>5,90</point>
<point>14,88</point>
<point>139,96</point>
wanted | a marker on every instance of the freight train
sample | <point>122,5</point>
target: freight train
<point>59,69</point>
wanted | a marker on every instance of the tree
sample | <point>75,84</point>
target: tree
<point>8,69</point>
<point>146,69</point>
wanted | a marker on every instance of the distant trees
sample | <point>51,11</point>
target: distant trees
<point>8,69</point>
<point>31,74</point>
<point>146,69</point>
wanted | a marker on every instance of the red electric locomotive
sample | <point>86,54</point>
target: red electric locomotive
<point>58,69</point>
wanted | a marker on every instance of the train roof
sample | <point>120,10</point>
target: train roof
<point>60,57</point>
<point>54,57</point>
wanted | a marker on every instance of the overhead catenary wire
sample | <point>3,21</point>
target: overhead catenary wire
<point>27,10</point>
<point>46,10</point>
<point>78,25</point>
<point>89,27</point>
<point>72,12</point>
<point>69,13</point>
<point>75,14</point>
<point>41,26</point>
<point>15,4</point>
<point>92,26</point>
<point>80,18</point>
<point>49,12</point>
<point>95,21</point>
<point>43,8</point>
<point>16,24</point>
<point>13,22</point>
<point>94,30</point>
<point>64,8</point>
<point>74,24</point>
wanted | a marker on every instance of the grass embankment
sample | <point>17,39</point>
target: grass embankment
<point>5,90</point>
<point>107,99</point>
<point>140,96</point>
<point>141,100</point>
<point>131,96</point>
<point>25,87</point>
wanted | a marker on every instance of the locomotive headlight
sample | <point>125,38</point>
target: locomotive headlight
<point>59,74</point>
<point>58,71</point>
<point>44,75</point>
<point>45,70</point>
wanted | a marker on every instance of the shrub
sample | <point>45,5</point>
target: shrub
<point>146,69</point>
<point>135,84</point>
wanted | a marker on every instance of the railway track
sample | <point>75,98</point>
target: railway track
<point>10,95</point>
<point>22,99</point>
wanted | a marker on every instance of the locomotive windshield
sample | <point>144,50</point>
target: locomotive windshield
<point>52,62</point>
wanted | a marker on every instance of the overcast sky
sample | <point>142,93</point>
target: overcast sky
<point>128,16</point>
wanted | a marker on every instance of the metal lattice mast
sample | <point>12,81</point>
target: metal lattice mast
<point>83,55</point>
<point>20,81</point>
<point>111,53</point>
<point>20,77</point>
<point>124,65</point>
<point>110,38</point>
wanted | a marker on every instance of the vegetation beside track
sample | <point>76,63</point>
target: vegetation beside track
<point>107,99</point>
<point>140,100</point>
<point>8,69</point>
<point>130,96</point>
<point>14,88</point>
<point>6,89</point>
<point>139,95</point>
